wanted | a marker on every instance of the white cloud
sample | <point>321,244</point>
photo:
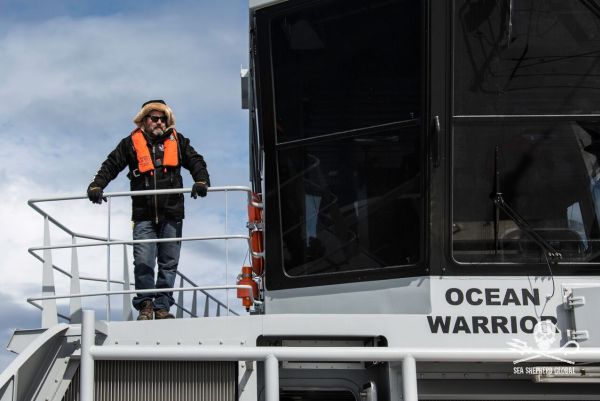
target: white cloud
<point>74,86</point>
<point>117,60</point>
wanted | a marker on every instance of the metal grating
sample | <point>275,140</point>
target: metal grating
<point>160,380</point>
<point>72,393</point>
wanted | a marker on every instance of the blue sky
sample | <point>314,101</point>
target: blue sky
<point>74,73</point>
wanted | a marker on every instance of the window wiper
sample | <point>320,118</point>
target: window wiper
<point>500,204</point>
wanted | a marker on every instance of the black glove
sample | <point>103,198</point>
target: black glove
<point>95,194</point>
<point>199,188</point>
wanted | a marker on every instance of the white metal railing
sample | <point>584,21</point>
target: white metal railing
<point>48,297</point>
<point>271,356</point>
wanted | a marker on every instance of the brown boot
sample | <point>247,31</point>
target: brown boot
<point>146,311</point>
<point>163,314</point>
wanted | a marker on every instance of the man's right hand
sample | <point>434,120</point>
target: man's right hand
<point>95,194</point>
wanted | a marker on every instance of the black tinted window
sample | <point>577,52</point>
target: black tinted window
<point>548,173</point>
<point>341,102</point>
<point>526,57</point>
<point>342,65</point>
<point>351,204</point>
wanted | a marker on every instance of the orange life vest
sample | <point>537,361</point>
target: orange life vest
<point>142,153</point>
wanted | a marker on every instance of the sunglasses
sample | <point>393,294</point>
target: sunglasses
<point>156,118</point>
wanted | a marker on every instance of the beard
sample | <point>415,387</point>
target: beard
<point>158,131</point>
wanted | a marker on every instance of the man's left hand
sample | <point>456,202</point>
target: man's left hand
<point>199,188</point>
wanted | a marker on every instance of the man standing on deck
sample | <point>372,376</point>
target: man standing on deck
<point>154,153</point>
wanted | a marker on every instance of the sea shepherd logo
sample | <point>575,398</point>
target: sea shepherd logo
<point>545,334</point>
<point>482,324</point>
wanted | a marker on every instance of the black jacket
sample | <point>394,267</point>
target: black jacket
<point>153,207</point>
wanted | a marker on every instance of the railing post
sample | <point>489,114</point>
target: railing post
<point>271,378</point>
<point>49,311</point>
<point>86,377</point>
<point>226,254</point>
<point>409,379</point>
<point>195,304</point>
<point>127,314</point>
<point>179,313</point>
<point>108,263</point>
<point>75,303</point>
<point>206,306</point>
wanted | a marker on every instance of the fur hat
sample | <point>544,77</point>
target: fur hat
<point>158,105</point>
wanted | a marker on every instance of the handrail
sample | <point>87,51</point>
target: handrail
<point>48,285</point>
<point>149,291</point>
<point>236,188</point>
<point>32,202</point>
<point>209,296</point>
<point>40,307</point>
<point>140,241</point>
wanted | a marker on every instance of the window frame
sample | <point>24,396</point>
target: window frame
<point>276,278</point>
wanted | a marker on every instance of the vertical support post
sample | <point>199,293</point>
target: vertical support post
<point>108,264</point>
<point>195,304</point>
<point>86,372</point>
<point>409,379</point>
<point>226,254</point>
<point>75,302</point>
<point>127,314</point>
<point>206,306</point>
<point>49,311</point>
<point>271,378</point>
<point>179,313</point>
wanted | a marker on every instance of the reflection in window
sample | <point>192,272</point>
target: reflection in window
<point>547,172</point>
<point>345,64</point>
<point>526,57</point>
<point>351,204</point>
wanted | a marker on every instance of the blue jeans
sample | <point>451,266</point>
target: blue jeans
<point>145,256</point>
